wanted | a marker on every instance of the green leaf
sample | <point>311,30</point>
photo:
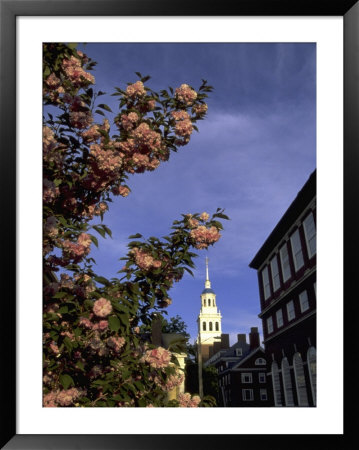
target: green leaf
<point>114,323</point>
<point>80,365</point>
<point>99,112</point>
<point>94,240</point>
<point>60,295</point>
<point>135,236</point>
<point>105,107</point>
<point>102,280</point>
<point>66,381</point>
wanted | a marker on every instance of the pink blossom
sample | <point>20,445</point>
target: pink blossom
<point>185,94</point>
<point>200,110</point>
<point>116,343</point>
<point>186,401</point>
<point>157,358</point>
<point>203,236</point>
<point>102,307</point>
<point>136,90</point>
<point>145,261</point>
<point>204,217</point>
<point>54,347</point>
<point>50,191</point>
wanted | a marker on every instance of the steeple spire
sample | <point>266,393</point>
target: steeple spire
<point>207,284</point>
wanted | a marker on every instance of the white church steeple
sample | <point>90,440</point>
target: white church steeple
<point>209,319</point>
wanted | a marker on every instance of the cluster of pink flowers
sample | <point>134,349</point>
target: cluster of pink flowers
<point>183,127</point>
<point>186,401</point>
<point>121,190</point>
<point>50,228</point>
<point>185,94</point>
<point>145,261</point>
<point>200,110</point>
<point>50,191</point>
<point>116,343</point>
<point>129,121</point>
<point>81,119</point>
<point>145,139</point>
<point>52,150</point>
<point>105,160</point>
<point>102,325</point>
<point>136,90</point>
<point>53,82</point>
<point>202,236</point>
<point>76,250</point>
<point>204,217</point>
<point>65,397</point>
<point>75,73</point>
<point>171,382</point>
<point>53,346</point>
<point>157,358</point>
<point>102,307</point>
<point>93,133</point>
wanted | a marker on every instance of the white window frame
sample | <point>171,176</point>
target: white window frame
<point>275,273</point>
<point>239,352</point>
<point>262,378</point>
<point>260,362</point>
<point>266,286</point>
<point>309,238</point>
<point>250,395</point>
<point>297,251</point>
<point>284,262</point>
<point>290,307</point>
<point>244,375</point>
<point>279,318</point>
<point>304,301</point>
<point>263,392</point>
<point>270,325</point>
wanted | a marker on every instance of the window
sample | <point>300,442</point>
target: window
<point>284,259</point>
<point>279,316</point>
<point>209,302</point>
<point>260,362</point>
<point>204,302</point>
<point>312,369</point>
<point>210,326</point>
<point>297,250</point>
<point>266,286</point>
<point>287,383</point>
<point>300,380</point>
<point>217,326</point>
<point>238,352</point>
<point>262,377</point>
<point>303,300</point>
<point>276,385</point>
<point>247,394</point>
<point>310,235</point>
<point>270,325</point>
<point>290,310</point>
<point>263,394</point>
<point>275,273</point>
<point>204,326</point>
<point>246,377</point>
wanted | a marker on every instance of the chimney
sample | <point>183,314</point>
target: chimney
<point>216,347</point>
<point>224,341</point>
<point>254,338</point>
<point>241,338</point>
<point>156,331</point>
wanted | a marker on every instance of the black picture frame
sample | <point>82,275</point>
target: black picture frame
<point>9,10</point>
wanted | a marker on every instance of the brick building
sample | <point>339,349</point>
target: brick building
<point>241,372</point>
<point>286,267</point>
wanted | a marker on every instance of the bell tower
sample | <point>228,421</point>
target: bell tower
<point>209,318</point>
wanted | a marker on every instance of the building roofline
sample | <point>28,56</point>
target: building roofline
<point>302,199</point>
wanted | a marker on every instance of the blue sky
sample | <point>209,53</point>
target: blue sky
<point>253,153</point>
